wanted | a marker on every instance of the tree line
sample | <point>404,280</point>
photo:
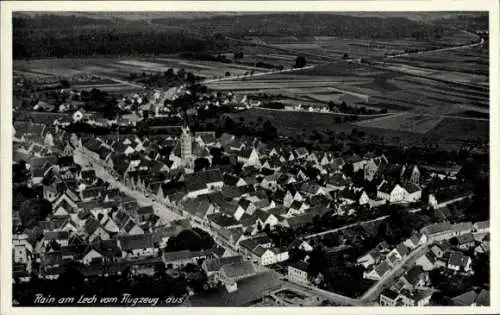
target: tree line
<point>61,40</point>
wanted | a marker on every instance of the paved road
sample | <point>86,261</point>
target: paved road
<point>330,113</point>
<point>230,78</point>
<point>355,224</point>
<point>437,50</point>
<point>119,81</point>
<point>166,215</point>
<point>387,280</point>
<point>333,297</point>
<point>313,291</point>
<point>344,227</point>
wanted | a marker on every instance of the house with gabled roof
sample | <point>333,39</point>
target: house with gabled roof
<point>272,163</point>
<point>478,297</point>
<point>265,218</point>
<point>299,206</point>
<point>94,230</point>
<point>411,174</point>
<point>297,220</point>
<point>373,257</point>
<point>356,161</point>
<point>144,213</point>
<point>372,166</point>
<point>458,261</point>
<point>61,237</point>
<point>139,245</point>
<point>301,153</point>
<point>183,257</point>
<point>132,228</point>
<point>427,261</point>
<point>377,271</point>
<point>203,182</point>
<point>466,241</point>
<point>482,226</point>
<point>222,221</point>
<point>350,196</point>
<point>297,273</point>
<point>462,228</point>
<point>249,157</point>
<point>414,241</point>
<point>437,232</point>
<point>398,193</point>
<point>206,138</point>
<point>232,209</point>
<point>389,297</point>
<point>226,138</point>
<point>311,189</point>
<point>198,209</point>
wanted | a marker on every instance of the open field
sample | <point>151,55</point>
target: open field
<point>120,68</point>
<point>295,123</point>
<point>468,60</point>
<point>361,85</point>
<point>403,122</point>
<point>336,46</point>
<point>461,129</point>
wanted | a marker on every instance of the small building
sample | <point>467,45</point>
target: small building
<point>297,273</point>
<point>458,261</point>
<point>388,298</point>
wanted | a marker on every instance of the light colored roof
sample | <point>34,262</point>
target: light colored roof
<point>238,269</point>
<point>215,264</point>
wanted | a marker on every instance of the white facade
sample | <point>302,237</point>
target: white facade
<point>90,256</point>
<point>297,276</point>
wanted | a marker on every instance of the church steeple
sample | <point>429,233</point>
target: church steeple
<point>186,147</point>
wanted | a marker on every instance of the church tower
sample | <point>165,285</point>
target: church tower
<point>186,147</point>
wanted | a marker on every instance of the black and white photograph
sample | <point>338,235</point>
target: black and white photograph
<point>248,158</point>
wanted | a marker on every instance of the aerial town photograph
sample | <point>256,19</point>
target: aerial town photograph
<point>264,159</point>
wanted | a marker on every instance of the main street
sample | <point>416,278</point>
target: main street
<point>165,214</point>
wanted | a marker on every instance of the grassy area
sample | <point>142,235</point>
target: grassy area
<point>294,123</point>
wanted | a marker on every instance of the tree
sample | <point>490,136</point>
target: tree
<point>229,124</point>
<point>267,228</point>
<point>259,227</point>
<point>316,262</point>
<point>331,106</point>
<point>65,83</point>
<point>454,241</point>
<point>345,56</point>
<point>300,62</point>
<point>227,74</point>
<point>193,240</point>
<point>348,169</point>
<point>33,211</point>
<point>181,73</point>
<point>200,164</point>
<point>269,132</point>
<point>160,269</point>
<point>191,78</point>
<point>71,280</point>
<point>169,73</point>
